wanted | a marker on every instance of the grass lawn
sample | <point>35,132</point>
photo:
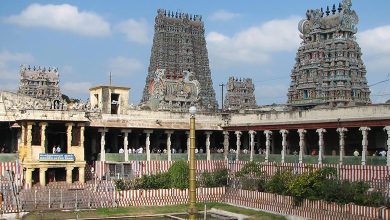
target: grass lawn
<point>142,211</point>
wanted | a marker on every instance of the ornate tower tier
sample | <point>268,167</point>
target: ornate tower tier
<point>41,83</point>
<point>179,46</point>
<point>329,69</point>
<point>240,94</point>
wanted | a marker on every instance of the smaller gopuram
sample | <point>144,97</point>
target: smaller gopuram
<point>39,82</point>
<point>240,94</point>
<point>173,93</point>
<point>329,69</point>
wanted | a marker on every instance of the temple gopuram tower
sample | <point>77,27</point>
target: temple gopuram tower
<point>41,83</point>
<point>240,94</point>
<point>329,69</point>
<point>179,50</point>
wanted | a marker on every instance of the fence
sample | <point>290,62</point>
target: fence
<point>308,209</point>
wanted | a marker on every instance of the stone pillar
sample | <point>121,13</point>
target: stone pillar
<point>19,133</point>
<point>188,145</point>
<point>29,153</point>
<point>387,129</point>
<point>268,134</point>
<point>82,129</point>
<point>364,131</point>
<point>43,135</point>
<point>341,132</point>
<point>42,176</point>
<point>238,144</point>
<point>23,133</point>
<point>169,133</point>
<point>208,154</point>
<point>69,174</point>
<point>225,144</point>
<point>102,144</point>
<point>252,144</point>
<point>147,143</point>
<point>29,133</point>
<point>284,143</point>
<point>320,132</point>
<point>69,135</point>
<point>126,143</point>
<point>302,143</point>
<point>29,177</point>
<point>81,174</point>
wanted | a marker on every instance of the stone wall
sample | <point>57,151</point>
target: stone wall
<point>358,113</point>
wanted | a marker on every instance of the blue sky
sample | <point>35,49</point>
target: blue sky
<point>258,39</point>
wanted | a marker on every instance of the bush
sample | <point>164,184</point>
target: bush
<point>314,185</point>
<point>179,175</point>
<point>279,182</point>
<point>252,177</point>
<point>251,169</point>
<point>215,179</point>
<point>157,181</point>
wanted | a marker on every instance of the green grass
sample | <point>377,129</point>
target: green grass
<point>144,210</point>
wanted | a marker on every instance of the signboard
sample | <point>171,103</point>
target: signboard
<point>56,157</point>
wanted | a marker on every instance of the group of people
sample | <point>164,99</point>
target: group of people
<point>132,150</point>
<point>56,150</point>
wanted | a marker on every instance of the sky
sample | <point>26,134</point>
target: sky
<point>86,40</point>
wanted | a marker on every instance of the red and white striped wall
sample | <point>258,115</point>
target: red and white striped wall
<point>308,209</point>
<point>15,167</point>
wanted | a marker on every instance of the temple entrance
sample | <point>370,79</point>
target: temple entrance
<point>75,174</point>
<point>56,137</point>
<point>55,175</point>
<point>35,176</point>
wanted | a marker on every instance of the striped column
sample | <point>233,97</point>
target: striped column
<point>252,143</point>
<point>302,143</point>
<point>268,134</point>
<point>387,129</point>
<point>169,134</point>
<point>364,131</point>
<point>103,144</point>
<point>208,154</point>
<point>320,132</point>
<point>147,143</point>
<point>341,132</point>
<point>126,142</point>
<point>284,143</point>
<point>225,144</point>
<point>238,144</point>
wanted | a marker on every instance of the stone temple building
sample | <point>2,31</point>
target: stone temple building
<point>329,69</point>
<point>178,52</point>
<point>37,82</point>
<point>240,94</point>
<point>104,132</point>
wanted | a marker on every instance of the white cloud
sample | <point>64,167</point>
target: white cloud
<point>254,45</point>
<point>124,66</point>
<point>75,89</point>
<point>62,17</point>
<point>376,40</point>
<point>222,15</point>
<point>135,31</point>
<point>9,68</point>
<point>376,48</point>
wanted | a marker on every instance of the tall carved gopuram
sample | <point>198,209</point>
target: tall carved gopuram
<point>329,69</point>
<point>179,47</point>
<point>240,94</point>
<point>40,82</point>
